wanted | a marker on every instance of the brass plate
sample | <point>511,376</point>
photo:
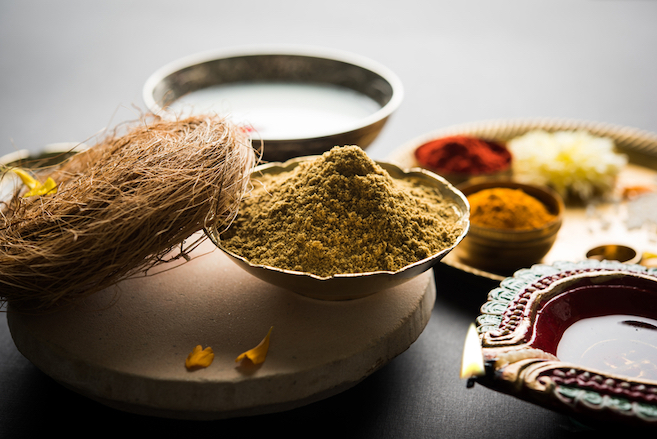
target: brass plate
<point>584,227</point>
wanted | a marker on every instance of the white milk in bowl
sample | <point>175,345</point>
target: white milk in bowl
<point>282,110</point>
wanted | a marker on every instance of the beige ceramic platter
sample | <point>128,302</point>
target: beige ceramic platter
<point>585,226</point>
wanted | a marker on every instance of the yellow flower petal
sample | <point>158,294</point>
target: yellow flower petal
<point>26,178</point>
<point>199,358</point>
<point>258,354</point>
<point>36,188</point>
<point>49,187</point>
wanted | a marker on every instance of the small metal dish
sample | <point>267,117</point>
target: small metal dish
<point>504,251</point>
<point>336,70</point>
<point>352,285</point>
<point>614,252</point>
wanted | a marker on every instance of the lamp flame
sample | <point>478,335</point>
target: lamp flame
<point>472,363</point>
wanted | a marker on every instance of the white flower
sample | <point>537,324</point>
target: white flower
<point>569,161</point>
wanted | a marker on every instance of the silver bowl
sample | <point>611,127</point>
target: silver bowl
<point>287,65</point>
<point>352,285</point>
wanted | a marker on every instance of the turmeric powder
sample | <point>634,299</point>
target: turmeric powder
<point>506,208</point>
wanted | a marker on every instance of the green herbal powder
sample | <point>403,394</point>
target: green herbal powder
<point>340,213</point>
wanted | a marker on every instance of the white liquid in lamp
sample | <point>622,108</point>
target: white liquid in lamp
<point>280,110</point>
<point>624,345</point>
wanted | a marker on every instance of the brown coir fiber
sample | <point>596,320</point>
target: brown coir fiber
<point>121,207</point>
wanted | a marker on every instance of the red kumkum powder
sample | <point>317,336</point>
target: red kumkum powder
<point>463,155</point>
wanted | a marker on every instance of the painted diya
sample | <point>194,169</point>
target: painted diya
<point>577,338</point>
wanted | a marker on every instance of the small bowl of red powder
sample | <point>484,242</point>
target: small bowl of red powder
<point>460,158</point>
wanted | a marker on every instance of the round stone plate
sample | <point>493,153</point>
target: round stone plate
<point>126,346</point>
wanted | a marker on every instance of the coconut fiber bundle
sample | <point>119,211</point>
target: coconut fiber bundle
<point>120,208</point>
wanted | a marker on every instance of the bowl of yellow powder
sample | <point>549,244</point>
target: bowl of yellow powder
<point>341,226</point>
<point>513,225</point>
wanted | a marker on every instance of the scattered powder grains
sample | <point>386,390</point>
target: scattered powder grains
<point>341,213</point>
<point>505,208</point>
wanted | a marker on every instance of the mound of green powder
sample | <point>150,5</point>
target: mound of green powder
<point>340,213</point>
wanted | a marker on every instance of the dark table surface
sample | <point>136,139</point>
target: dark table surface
<point>70,68</point>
